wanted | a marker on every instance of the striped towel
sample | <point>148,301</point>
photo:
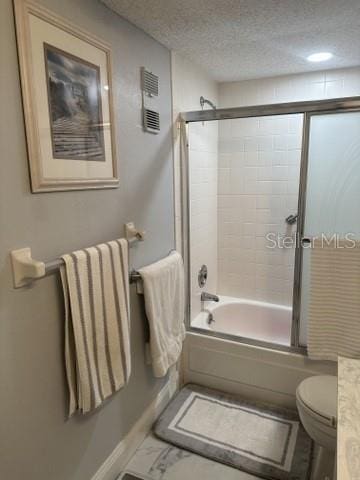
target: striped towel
<point>334,309</point>
<point>97,334</point>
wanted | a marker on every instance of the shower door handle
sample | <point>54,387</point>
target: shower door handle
<point>305,241</point>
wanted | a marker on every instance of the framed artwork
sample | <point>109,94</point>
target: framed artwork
<point>67,98</point>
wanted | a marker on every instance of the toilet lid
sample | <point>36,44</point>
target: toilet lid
<point>319,393</point>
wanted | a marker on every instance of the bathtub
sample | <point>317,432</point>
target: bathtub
<point>248,319</point>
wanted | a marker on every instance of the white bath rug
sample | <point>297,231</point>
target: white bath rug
<point>257,438</point>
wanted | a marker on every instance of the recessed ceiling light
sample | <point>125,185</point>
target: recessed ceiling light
<point>320,57</point>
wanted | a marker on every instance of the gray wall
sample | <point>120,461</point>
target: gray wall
<point>36,440</point>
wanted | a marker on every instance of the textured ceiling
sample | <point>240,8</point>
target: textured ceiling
<point>246,39</point>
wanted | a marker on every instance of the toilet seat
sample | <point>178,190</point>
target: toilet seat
<point>318,397</point>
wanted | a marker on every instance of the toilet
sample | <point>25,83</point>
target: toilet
<point>316,400</point>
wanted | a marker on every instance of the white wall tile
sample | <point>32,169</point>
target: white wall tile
<point>273,146</point>
<point>243,127</point>
<point>265,143</point>
<point>250,144</point>
<point>334,88</point>
<point>251,158</point>
<point>189,83</point>
<point>262,194</point>
<point>248,173</point>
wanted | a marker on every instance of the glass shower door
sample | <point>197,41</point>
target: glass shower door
<point>332,201</point>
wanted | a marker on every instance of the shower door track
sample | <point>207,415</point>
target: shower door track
<point>318,106</point>
<point>308,109</point>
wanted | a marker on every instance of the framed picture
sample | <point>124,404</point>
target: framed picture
<point>67,97</point>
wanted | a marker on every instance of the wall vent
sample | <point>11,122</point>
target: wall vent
<point>150,95</point>
<point>151,121</point>
<point>149,82</point>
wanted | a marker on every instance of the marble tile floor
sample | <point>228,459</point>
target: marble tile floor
<point>158,460</point>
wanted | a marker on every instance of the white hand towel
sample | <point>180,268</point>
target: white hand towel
<point>97,329</point>
<point>165,309</point>
<point>334,308</point>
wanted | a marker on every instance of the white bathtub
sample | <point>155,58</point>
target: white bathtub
<point>246,318</point>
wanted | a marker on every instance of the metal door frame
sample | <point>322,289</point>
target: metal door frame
<point>308,109</point>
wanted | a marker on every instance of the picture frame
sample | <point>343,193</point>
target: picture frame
<point>67,100</point>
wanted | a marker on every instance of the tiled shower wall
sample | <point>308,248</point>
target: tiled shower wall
<point>249,188</point>
<point>203,162</point>
<point>189,83</point>
<point>291,88</point>
<point>258,181</point>
<point>259,160</point>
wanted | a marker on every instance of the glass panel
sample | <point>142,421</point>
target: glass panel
<point>244,183</point>
<point>333,187</point>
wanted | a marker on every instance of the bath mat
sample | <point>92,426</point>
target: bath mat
<point>257,438</point>
<point>129,476</point>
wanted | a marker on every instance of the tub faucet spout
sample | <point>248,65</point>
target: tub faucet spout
<point>209,297</point>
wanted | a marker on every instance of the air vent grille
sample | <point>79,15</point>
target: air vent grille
<point>151,121</point>
<point>150,83</point>
<point>150,98</point>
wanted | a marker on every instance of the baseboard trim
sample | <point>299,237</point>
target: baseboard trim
<point>122,453</point>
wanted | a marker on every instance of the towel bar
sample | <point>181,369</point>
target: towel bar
<point>26,269</point>
<point>134,276</point>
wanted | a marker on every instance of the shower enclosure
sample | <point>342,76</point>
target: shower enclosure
<point>259,183</point>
